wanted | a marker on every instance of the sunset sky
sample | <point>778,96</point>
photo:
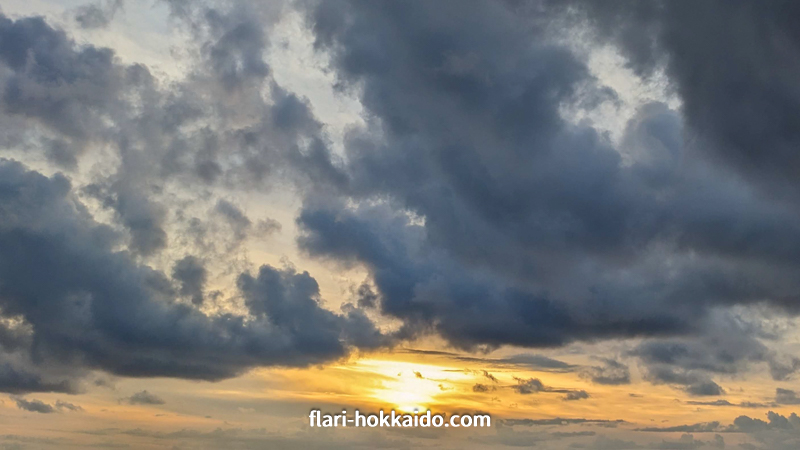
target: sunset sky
<point>581,218</point>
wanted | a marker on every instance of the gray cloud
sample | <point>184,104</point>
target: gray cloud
<point>722,402</point>
<point>529,386</point>
<point>696,428</point>
<point>612,372</point>
<point>576,395</point>
<point>559,421</point>
<point>480,388</point>
<point>34,405</point>
<point>62,405</point>
<point>696,45</point>
<point>531,361</point>
<point>786,397</point>
<point>99,309</point>
<point>479,211</point>
<point>535,386</point>
<point>535,232</point>
<point>235,217</point>
<point>730,345</point>
<point>144,398</point>
<point>191,274</point>
<point>97,15</point>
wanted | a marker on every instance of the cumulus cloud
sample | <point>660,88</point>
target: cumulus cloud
<point>100,309</point>
<point>485,216</point>
<point>479,210</point>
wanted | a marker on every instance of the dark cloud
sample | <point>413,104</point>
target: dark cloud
<point>529,386</point>
<point>786,397</point>
<point>535,362</point>
<point>753,131</point>
<point>722,402</point>
<point>535,386</point>
<point>576,395</point>
<point>696,428</point>
<point>777,432</point>
<point>612,372</point>
<point>61,406</point>
<point>480,211</point>
<point>144,398</point>
<point>606,443</point>
<point>782,369</point>
<point>34,405</point>
<point>695,383</point>
<point>18,376</point>
<point>235,217</point>
<point>478,387</point>
<point>486,217</point>
<point>730,345</point>
<point>89,306</point>
<point>97,15</point>
<point>688,442</point>
<point>191,274</point>
<point>366,296</point>
<point>559,421</point>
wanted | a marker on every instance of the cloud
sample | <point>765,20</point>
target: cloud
<point>786,397</point>
<point>696,428</point>
<point>559,421</point>
<point>478,387</point>
<point>777,431</point>
<point>535,386</point>
<point>100,309</point>
<point>144,398</point>
<point>529,386</point>
<point>61,406</point>
<point>481,212</point>
<point>97,15</point>
<point>612,372</point>
<point>490,376</point>
<point>484,216</point>
<point>730,345</point>
<point>237,220</point>
<point>532,361</point>
<point>34,406</point>
<point>754,137</point>
<point>191,274</point>
<point>722,402</point>
<point>576,395</point>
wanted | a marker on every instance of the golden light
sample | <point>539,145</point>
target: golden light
<point>411,386</point>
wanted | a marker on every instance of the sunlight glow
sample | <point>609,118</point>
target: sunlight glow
<point>413,385</point>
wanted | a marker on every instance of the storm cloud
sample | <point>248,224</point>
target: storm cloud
<point>100,309</point>
<point>480,210</point>
<point>485,216</point>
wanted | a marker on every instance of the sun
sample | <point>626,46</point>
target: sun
<point>410,386</point>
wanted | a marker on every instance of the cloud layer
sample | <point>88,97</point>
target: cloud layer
<point>481,210</point>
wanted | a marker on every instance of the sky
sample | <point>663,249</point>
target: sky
<point>581,218</point>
